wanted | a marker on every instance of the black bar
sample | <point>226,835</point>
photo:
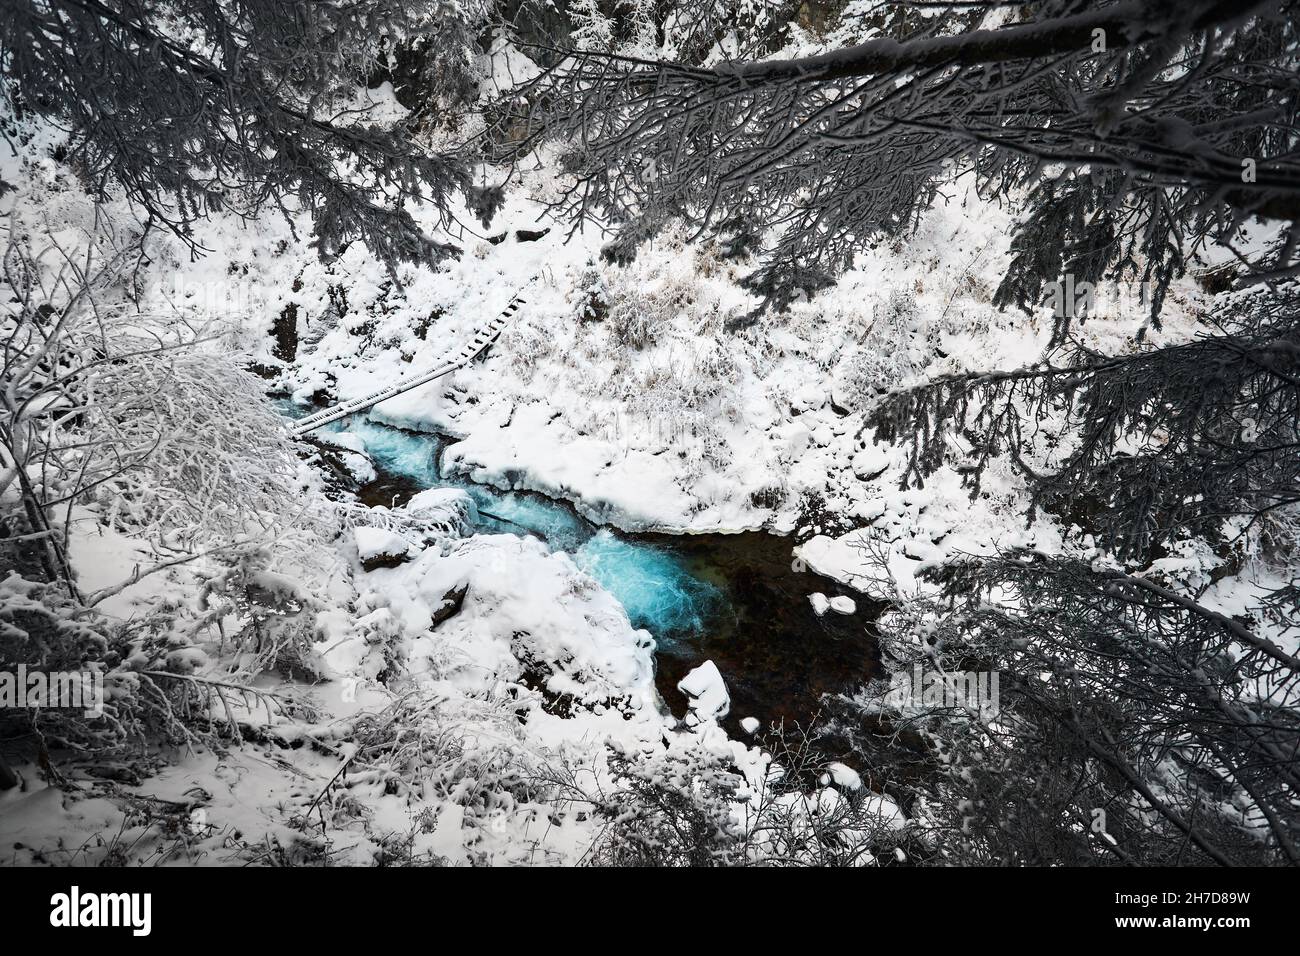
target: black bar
<point>334,905</point>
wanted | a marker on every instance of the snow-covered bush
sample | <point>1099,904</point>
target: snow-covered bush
<point>592,295</point>
<point>461,769</point>
<point>138,414</point>
<point>274,613</point>
<point>643,302</point>
<point>690,806</point>
<point>887,356</point>
<point>151,691</point>
<point>668,809</point>
<point>145,428</point>
<point>43,629</point>
<point>430,517</point>
<point>527,345</point>
<point>632,323</point>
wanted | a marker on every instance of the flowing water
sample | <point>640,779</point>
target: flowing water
<point>734,599</point>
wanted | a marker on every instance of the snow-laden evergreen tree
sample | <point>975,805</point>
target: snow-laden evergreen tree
<point>1139,130</point>
<point>193,105</point>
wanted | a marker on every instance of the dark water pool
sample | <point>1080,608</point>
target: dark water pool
<point>734,599</point>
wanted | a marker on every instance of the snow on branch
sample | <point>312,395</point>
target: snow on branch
<point>1158,127</point>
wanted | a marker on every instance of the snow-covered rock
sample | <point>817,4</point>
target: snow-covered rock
<point>868,510</point>
<point>792,438</point>
<point>842,399</point>
<point>443,501</point>
<point>871,461</point>
<point>345,440</point>
<point>820,603</point>
<point>809,398</point>
<point>379,547</point>
<point>843,776</point>
<point>446,510</point>
<point>885,811</point>
<point>451,604</point>
<point>843,605</point>
<point>352,453</point>
<point>750,725</point>
<point>707,691</point>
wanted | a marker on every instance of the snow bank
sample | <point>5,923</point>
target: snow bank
<point>528,616</point>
